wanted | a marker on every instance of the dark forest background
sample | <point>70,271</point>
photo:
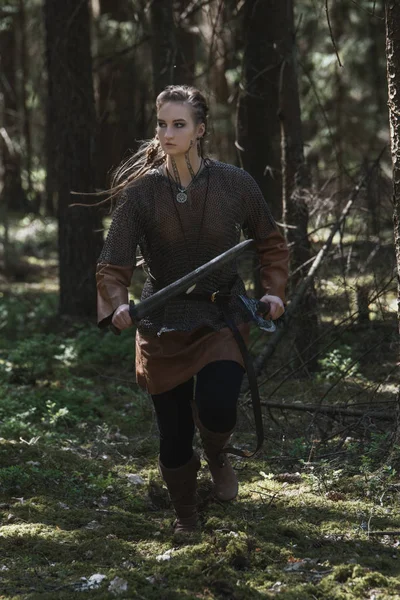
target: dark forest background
<point>303,94</point>
<point>298,94</point>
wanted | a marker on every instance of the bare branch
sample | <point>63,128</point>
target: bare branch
<point>332,410</point>
<point>8,141</point>
<point>303,286</point>
<point>331,32</point>
<point>100,61</point>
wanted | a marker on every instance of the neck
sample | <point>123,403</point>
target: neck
<point>180,161</point>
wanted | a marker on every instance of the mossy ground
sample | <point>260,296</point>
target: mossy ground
<point>80,493</point>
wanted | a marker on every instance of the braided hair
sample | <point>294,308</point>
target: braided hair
<point>150,154</point>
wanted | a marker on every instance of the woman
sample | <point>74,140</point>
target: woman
<point>182,210</point>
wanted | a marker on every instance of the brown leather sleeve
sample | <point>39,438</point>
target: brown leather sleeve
<point>112,290</point>
<point>274,264</point>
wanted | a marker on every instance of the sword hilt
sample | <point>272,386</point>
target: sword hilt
<point>132,312</point>
<point>263,307</point>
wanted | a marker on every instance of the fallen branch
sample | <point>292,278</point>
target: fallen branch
<point>383,532</point>
<point>331,410</point>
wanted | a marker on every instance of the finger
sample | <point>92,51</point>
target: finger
<point>120,321</point>
<point>273,310</point>
<point>123,324</point>
<point>277,311</point>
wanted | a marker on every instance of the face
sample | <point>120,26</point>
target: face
<point>176,128</point>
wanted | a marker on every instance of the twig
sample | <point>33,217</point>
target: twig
<point>331,32</point>
<point>192,9</point>
<point>349,368</point>
<point>324,115</point>
<point>298,295</point>
<point>331,410</point>
<point>8,141</point>
<point>320,351</point>
<point>100,61</point>
<point>213,35</point>
<point>129,381</point>
<point>371,14</point>
<point>281,332</point>
<point>271,496</point>
<point>221,560</point>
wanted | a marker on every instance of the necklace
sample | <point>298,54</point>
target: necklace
<point>181,196</point>
<point>191,266</point>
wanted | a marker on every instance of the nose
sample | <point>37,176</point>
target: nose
<point>169,134</point>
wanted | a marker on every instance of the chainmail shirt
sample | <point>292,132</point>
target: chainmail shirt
<point>175,239</point>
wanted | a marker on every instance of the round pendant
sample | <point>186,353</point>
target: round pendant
<point>181,197</point>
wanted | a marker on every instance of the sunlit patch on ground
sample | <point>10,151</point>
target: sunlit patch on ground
<point>84,513</point>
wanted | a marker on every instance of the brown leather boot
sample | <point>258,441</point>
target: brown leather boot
<point>182,484</point>
<point>222,473</point>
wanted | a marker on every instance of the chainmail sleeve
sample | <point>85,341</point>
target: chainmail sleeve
<point>125,231</point>
<point>258,219</point>
<point>117,260</point>
<point>271,247</point>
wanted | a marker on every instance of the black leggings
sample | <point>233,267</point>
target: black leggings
<point>217,391</point>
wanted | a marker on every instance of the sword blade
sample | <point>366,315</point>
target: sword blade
<point>145,307</point>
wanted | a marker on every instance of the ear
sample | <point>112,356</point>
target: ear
<point>201,131</point>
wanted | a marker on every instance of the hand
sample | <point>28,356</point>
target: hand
<point>277,308</point>
<point>121,318</point>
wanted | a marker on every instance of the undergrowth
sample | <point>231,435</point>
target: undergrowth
<point>84,512</point>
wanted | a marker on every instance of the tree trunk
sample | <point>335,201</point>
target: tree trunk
<point>377,82</point>
<point>257,126</point>
<point>393,76</point>
<point>12,196</point>
<point>25,109</point>
<point>117,94</point>
<point>217,32</point>
<point>163,44</point>
<point>186,47</point>
<point>296,185</point>
<point>72,129</point>
<point>339,15</point>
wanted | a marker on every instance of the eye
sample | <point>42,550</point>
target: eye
<point>179,125</point>
<point>161,124</point>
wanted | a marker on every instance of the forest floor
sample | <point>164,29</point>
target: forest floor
<point>84,513</point>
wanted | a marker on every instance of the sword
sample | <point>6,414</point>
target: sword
<point>186,284</point>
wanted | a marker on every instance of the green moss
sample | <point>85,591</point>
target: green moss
<point>74,428</point>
